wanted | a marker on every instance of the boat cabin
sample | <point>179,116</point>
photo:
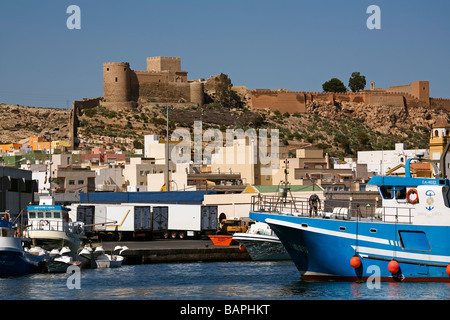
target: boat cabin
<point>48,217</point>
<point>5,225</point>
<point>413,200</point>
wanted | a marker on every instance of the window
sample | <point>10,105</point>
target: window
<point>57,215</point>
<point>71,182</point>
<point>40,215</point>
<point>117,79</point>
<point>107,69</point>
<point>80,181</point>
<point>386,192</point>
<point>32,215</point>
<point>400,193</point>
<point>391,192</point>
<point>414,240</point>
<point>48,215</point>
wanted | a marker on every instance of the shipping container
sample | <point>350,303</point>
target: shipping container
<point>139,220</point>
<point>191,220</point>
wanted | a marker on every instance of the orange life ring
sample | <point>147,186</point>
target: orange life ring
<point>415,197</point>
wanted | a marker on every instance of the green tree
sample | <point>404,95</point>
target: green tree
<point>357,82</point>
<point>334,85</point>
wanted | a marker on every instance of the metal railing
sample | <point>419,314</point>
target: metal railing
<point>300,207</point>
<point>51,225</point>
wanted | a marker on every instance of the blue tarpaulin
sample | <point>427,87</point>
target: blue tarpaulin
<point>144,197</point>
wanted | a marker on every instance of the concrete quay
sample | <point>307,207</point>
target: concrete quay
<point>170,251</point>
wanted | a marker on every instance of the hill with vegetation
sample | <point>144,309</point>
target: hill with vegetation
<point>340,129</point>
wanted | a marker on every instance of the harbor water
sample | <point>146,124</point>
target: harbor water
<point>247,280</point>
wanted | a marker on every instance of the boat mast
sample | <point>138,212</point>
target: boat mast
<point>442,168</point>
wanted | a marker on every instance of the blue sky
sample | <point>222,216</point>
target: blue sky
<point>296,45</point>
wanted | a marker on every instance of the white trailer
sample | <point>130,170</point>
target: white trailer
<point>191,220</point>
<point>133,220</point>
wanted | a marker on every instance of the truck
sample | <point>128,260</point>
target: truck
<point>147,221</point>
<point>235,225</point>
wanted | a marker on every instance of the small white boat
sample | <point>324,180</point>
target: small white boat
<point>261,243</point>
<point>61,260</point>
<point>86,256</point>
<point>103,260</point>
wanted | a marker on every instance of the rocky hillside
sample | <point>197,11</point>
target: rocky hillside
<point>17,123</point>
<point>341,129</point>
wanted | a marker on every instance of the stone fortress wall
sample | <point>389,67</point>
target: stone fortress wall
<point>295,101</point>
<point>165,82</point>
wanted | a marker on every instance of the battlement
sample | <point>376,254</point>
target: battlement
<point>295,101</point>
<point>164,58</point>
<point>150,72</point>
<point>122,64</point>
<point>349,93</point>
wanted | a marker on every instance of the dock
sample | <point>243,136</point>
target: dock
<point>171,251</point>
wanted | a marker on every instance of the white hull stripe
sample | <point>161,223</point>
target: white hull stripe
<point>340,234</point>
<point>365,251</point>
<point>256,238</point>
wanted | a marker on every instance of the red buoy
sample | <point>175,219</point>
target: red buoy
<point>242,247</point>
<point>393,267</point>
<point>355,262</point>
<point>448,269</point>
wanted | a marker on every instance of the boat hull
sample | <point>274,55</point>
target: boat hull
<point>14,261</point>
<point>223,240</point>
<point>52,239</point>
<point>322,248</point>
<point>262,247</point>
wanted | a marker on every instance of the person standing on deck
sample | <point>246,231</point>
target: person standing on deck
<point>314,202</point>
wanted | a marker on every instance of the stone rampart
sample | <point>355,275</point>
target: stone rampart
<point>77,106</point>
<point>295,101</point>
<point>440,103</point>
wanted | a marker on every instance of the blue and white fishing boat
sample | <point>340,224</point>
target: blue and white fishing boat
<point>50,227</point>
<point>407,240</point>
<point>14,260</point>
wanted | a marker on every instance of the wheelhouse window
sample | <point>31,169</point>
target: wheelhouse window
<point>398,193</point>
<point>32,215</point>
<point>40,215</point>
<point>57,215</point>
<point>48,215</point>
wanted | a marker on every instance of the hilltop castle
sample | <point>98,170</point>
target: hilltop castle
<point>163,81</point>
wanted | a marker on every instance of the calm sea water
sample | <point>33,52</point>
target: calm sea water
<point>208,281</point>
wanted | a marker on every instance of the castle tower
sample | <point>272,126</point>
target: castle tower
<point>158,64</point>
<point>439,137</point>
<point>116,82</point>
<point>197,92</point>
<point>169,65</point>
<point>421,91</point>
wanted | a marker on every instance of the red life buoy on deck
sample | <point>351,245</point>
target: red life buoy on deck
<point>412,196</point>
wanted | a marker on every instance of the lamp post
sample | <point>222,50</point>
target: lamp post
<point>167,148</point>
<point>50,133</point>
